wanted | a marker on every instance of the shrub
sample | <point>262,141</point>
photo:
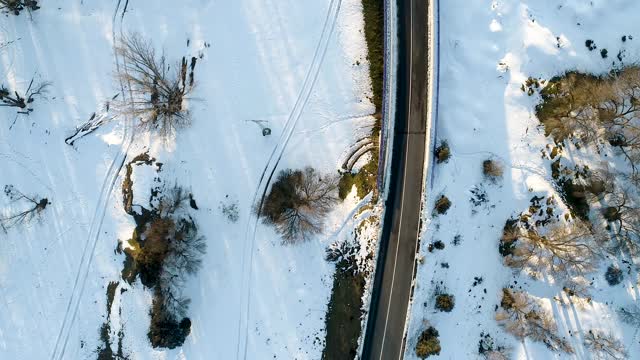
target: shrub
<point>438,245</point>
<point>443,153</point>
<point>613,275</point>
<point>445,302</point>
<point>428,343</point>
<point>492,170</point>
<point>442,205</point>
<point>604,53</point>
<point>298,202</point>
<point>509,237</point>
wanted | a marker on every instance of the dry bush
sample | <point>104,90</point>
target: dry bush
<point>445,302</point>
<point>492,170</point>
<point>564,250</point>
<point>604,346</point>
<point>443,153</point>
<point>522,316</point>
<point>442,205</point>
<point>428,343</point>
<point>298,202</point>
<point>157,93</point>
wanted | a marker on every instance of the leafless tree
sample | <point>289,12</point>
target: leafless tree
<point>623,219</point>
<point>94,123</point>
<point>16,6</point>
<point>630,315</point>
<point>298,203</point>
<point>36,206</point>
<point>498,354</point>
<point>157,93</point>
<point>23,103</point>
<point>604,346</point>
<point>565,249</point>
<point>596,109</point>
<point>172,200</point>
<point>521,316</point>
<point>186,248</point>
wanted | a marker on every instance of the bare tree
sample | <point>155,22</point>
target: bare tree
<point>630,315</point>
<point>157,93</point>
<point>604,346</point>
<point>23,102</point>
<point>16,6</point>
<point>172,200</point>
<point>521,316</point>
<point>37,205</point>
<point>565,249</point>
<point>298,203</point>
<point>623,219</point>
<point>94,123</point>
<point>186,248</point>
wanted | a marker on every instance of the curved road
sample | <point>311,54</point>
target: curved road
<point>384,336</point>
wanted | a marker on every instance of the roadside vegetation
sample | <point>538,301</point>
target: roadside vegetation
<point>428,343</point>
<point>343,322</point>
<point>366,177</point>
<point>443,152</point>
<point>344,313</point>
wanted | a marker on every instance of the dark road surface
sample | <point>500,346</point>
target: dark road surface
<point>394,273</point>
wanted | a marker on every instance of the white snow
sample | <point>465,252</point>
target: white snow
<point>255,57</point>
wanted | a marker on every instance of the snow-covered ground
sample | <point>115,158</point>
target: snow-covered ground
<point>299,65</point>
<point>488,50</point>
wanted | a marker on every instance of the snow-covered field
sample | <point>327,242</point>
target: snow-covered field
<point>488,50</point>
<point>301,66</point>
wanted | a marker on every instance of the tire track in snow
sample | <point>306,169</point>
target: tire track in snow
<point>270,168</point>
<point>98,219</point>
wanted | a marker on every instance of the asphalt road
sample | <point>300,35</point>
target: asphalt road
<point>392,286</point>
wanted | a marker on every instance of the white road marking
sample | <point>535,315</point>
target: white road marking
<point>404,180</point>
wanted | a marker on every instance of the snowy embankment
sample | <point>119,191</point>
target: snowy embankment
<point>254,60</point>
<point>488,51</point>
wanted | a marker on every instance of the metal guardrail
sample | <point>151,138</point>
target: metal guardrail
<point>388,93</point>
<point>388,118</point>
